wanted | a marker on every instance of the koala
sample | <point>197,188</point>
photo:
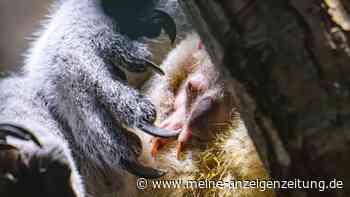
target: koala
<point>194,98</point>
<point>197,88</point>
<point>197,99</point>
<point>66,117</point>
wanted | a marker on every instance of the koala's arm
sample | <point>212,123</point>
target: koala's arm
<point>125,104</point>
<point>100,77</point>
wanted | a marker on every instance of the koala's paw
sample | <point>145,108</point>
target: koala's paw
<point>31,169</point>
<point>147,111</point>
<point>145,115</point>
<point>131,150</point>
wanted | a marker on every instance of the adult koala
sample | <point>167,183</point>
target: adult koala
<point>64,118</point>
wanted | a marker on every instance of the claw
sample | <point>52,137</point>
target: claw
<point>156,145</point>
<point>139,170</point>
<point>179,148</point>
<point>19,132</point>
<point>167,22</point>
<point>184,137</point>
<point>9,178</point>
<point>157,132</point>
<point>4,146</point>
<point>154,67</point>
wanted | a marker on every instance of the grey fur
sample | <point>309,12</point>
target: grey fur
<point>72,95</point>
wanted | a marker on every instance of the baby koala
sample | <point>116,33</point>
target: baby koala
<point>196,99</point>
<point>192,97</point>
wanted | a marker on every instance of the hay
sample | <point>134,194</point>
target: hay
<point>229,156</point>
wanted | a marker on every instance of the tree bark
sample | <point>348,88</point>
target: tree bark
<point>291,63</point>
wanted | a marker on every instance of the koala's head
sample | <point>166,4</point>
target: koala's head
<point>140,18</point>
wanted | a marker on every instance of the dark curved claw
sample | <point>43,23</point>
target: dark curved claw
<point>18,132</point>
<point>167,22</point>
<point>8,178</point>
<point>4,146</point>
<point>154,67</point>
<point>157,132</point>
<point>139,170</point>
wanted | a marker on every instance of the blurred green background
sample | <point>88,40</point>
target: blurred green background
<point>18,20</point>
